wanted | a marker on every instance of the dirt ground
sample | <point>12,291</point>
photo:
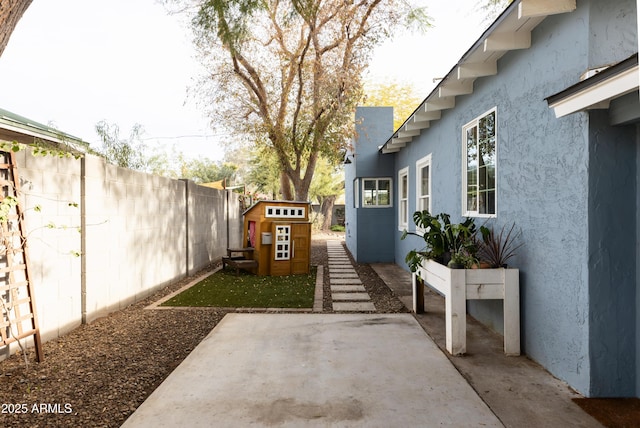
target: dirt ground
<point>98,374</point>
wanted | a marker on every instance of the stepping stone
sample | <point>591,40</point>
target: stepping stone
<point>344,281</point>
<point>353,307</point>
<point>341,269</point>
<point>346,275</point>
<point>348,288</point>
<point>350,297</point>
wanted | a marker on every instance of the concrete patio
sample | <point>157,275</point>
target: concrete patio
<point>355,370</point>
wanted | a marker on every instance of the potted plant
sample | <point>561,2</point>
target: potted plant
<point>497,248</point>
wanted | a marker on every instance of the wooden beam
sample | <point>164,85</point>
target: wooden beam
<point>478,69</point>
<point>533,8</point>
<point>426,115</point>
<point>404,132</point>
<point>417,124</point>
<point>499,42</point>
<point>440,104</point>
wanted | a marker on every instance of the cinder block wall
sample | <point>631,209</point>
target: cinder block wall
<point>104,237</point>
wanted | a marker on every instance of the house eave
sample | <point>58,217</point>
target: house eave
<point>17,128</point>
<point>510,31</point>
<point>597,91</point>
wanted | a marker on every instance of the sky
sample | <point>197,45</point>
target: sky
<point>74,63</point>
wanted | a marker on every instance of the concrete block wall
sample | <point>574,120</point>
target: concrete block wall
<point>103,237</point>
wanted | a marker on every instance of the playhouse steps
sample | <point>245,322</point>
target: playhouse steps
<point>347,292</point>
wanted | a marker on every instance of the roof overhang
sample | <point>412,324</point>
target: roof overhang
<point>511,31</point>
<point>14,127</point>
<point>597,91</point>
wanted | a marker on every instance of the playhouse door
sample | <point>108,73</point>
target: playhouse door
<point>300,248</point>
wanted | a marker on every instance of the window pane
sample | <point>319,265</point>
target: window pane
<point>480,146</point>
<point>383,197</point>
<point>369,184</point>
<point>424,183</point>
<point>404,186</point>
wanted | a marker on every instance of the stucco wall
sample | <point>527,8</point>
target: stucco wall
<point>544,167</point>
<point>369,233</point>
<point>612,256</point>
<point>131,234</point>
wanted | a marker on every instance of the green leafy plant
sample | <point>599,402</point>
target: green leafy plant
<point>444,240</point>
<point>497,248</point>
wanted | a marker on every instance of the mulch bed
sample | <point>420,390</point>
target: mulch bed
<point>612,412</point>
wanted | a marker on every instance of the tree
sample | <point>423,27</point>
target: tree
<point>10,13</point>
<point>327,184</point>
<point>401,97</point>
<point>127,153</point>
<point>207,171</point>
<point>291,71</point>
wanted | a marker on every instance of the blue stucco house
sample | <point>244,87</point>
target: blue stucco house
<point>536,124</point>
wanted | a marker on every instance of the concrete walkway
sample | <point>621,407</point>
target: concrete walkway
<point>293,370</point>
<point>520,392</point>
<point>347,291</point>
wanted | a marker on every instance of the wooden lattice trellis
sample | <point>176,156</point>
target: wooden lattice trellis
<point>19,319</point>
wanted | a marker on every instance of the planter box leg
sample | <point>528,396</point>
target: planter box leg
<point>456,314</point>
<point>511,309</point>
<point>418,294</point>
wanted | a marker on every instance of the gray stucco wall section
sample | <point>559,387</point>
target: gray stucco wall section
<point>543,171</point>
<point>369,231</point>
<point>612,257</point>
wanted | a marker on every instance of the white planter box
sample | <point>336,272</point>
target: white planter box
<point>459,285</point>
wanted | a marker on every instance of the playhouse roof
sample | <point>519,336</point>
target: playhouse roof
<point>275,202</point>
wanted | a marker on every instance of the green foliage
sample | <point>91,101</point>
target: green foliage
<point>127,153</point>
<point>445,241</point>
<point>6,205</point>
<point>246,290</point>
<point>337,228</point>
<point>206,171</point>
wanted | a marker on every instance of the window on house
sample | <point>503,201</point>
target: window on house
<point>403,198</point>
<point>479,157</point>
<point>423,184</point>
<point>376,192</point>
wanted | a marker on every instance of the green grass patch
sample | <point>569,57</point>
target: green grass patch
<point>225,289</point>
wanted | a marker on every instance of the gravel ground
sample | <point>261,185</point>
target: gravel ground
<point>98,374</point>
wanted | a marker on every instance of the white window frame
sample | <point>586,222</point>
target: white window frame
<point>356,193</point>
<point>282,242</point>
<point>377,180</point>
<point>464,191</point>
<point>403,199</point>
<point>421,163</point>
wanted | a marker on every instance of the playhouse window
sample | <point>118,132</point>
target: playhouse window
<point>403,198</point>
<point>282,242</point>
<point>376,192</point>
<point>479,158</point>
<point>423,184</point>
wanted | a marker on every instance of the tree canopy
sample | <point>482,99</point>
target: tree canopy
<point>289,72</point>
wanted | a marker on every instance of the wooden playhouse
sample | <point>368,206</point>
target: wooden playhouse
<point>280,233</point>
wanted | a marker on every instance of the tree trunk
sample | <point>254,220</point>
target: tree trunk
<point>10,13</point>
<point>327,211</point>
<point>285,187</point>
